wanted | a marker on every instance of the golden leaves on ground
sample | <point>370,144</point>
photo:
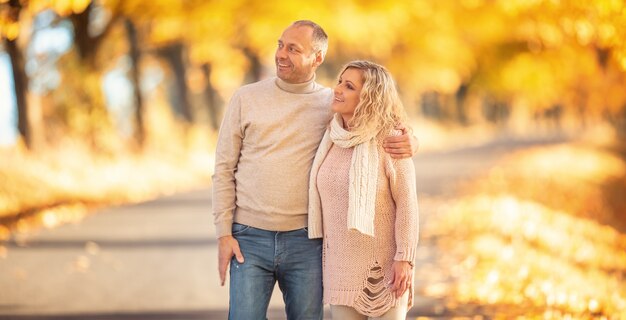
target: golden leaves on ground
<point>525,251</point>
<point>572,178</point>
<point>92,248</point>
<point>93,257</point>
<point>5,233</point>
<point>62,186</point>
<point>81,264</point>
<point>515,249</point>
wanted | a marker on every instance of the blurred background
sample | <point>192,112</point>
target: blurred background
<point>519,105</point>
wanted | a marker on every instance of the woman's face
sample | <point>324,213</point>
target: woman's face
<point>347,93</point>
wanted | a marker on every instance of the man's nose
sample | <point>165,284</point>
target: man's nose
<point>281,52</point>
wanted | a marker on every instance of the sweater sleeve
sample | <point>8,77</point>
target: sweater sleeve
<point>404,192</point>
<point>229,142</point>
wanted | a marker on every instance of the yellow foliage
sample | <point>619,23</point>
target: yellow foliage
<point>575,163</point>
<point>515,248</point>
<point>36,6</point>
<point>515,7</point>
<point>62,7</point>
<point>621,56</point>
<point>10,30</point>
<point>584,31</point>
<point>73,177</point>
<point>79,6</point>
<point>167,30</point>
<point>534,54</point>
<point>533,77</point>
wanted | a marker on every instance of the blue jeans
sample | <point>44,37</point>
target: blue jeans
<point>290,258</point>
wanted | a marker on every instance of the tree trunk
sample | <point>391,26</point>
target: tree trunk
<point>20,80</point>
<point>135,55</point>
<point>21,83</point>
<point>173,55</point>
<point>91,98</point>
<point>431,105</point>
<point>461,96</point>
<point>85,44</point>
<point>211,98</point>
<point>256,67</point>
<point>602,56</point>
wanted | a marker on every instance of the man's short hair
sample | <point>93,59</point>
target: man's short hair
<point>320,38</point>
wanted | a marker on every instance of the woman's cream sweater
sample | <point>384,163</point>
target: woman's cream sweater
<point>357,267</point>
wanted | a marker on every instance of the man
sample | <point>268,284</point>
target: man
<point>265,150</point>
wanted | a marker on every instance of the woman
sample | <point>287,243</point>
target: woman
<point>363,202</point>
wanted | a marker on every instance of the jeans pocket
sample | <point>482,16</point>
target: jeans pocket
<point>239,228</point>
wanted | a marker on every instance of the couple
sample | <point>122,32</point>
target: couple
<point>285,209</point>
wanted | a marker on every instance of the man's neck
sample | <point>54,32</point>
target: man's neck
<point>304,87</point>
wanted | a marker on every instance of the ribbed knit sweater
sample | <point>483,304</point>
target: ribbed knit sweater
<point>265,149</point>
<point>357,267</point>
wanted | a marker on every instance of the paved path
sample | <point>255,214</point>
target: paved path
<point>157,260</point>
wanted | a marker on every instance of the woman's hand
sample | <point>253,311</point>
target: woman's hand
<point>402,277</point>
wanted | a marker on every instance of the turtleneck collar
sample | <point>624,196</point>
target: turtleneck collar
<point>305,87</point>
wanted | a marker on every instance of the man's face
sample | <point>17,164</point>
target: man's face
<point>295,58</point>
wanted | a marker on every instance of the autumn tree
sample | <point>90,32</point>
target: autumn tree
<point>135,57</point>
<point>459,61</point>
<point>9,21</point>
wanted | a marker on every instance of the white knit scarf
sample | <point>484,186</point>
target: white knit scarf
<point>363,179</point>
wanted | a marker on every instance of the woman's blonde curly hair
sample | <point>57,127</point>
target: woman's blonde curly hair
<point>379,109</point>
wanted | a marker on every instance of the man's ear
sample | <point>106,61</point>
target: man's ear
<point>319,58</point>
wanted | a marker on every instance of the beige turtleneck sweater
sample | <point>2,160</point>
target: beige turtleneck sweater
<point>266,145</point>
